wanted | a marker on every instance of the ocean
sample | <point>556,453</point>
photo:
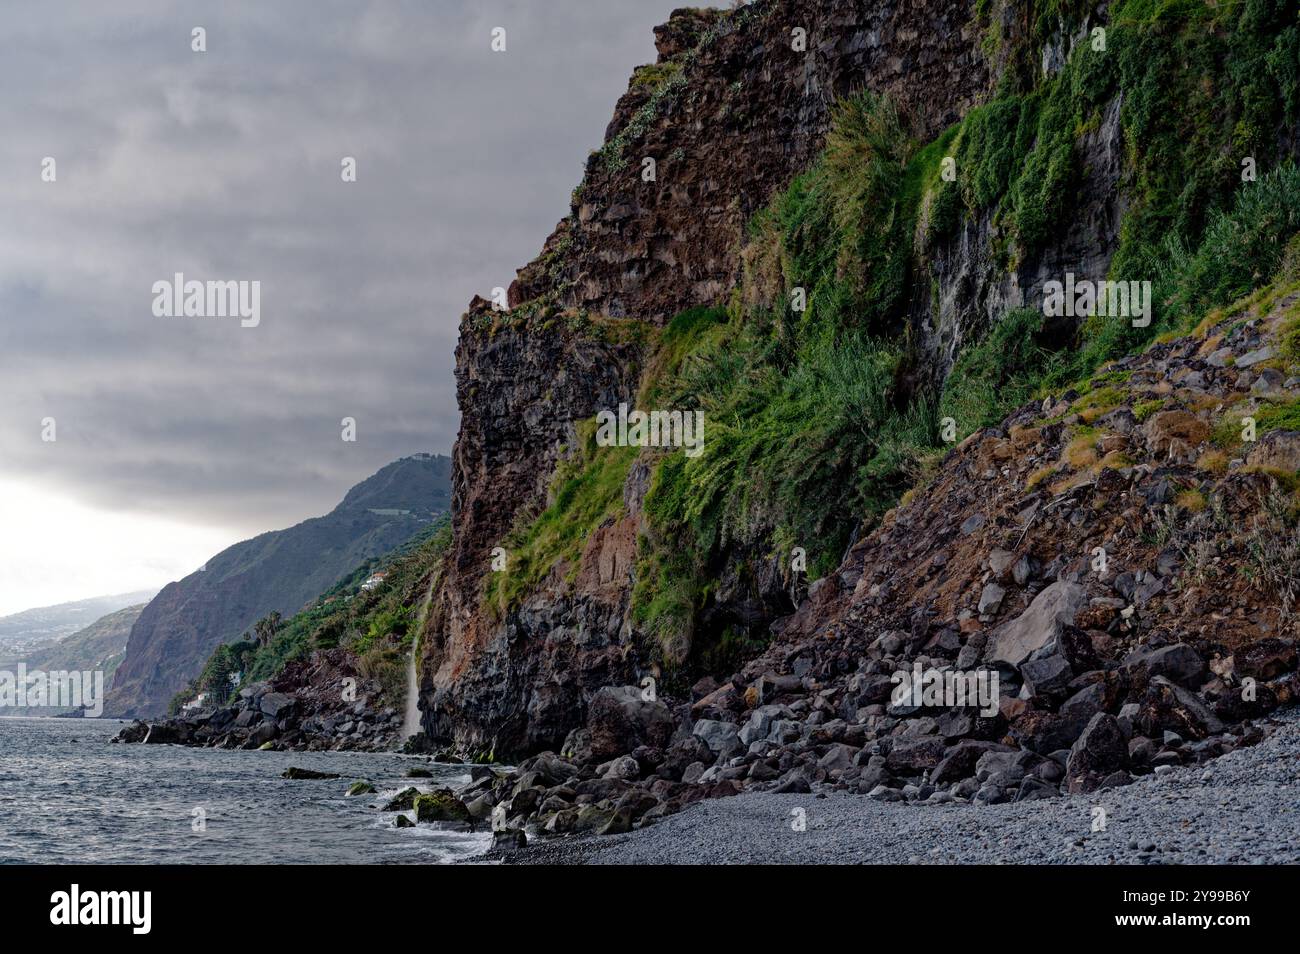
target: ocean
<point>69,796</point>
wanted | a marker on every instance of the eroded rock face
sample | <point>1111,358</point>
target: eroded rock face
<point>745,112</point>
<point>523,682</point>
<point>736,116</point>
<point>976,288</point>
<point>1005,520</point>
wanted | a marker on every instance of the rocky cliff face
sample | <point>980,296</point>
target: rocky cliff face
<point>729,112</point>
<point>732,111</point>
<point>528,388</point>
<point>279,571</point>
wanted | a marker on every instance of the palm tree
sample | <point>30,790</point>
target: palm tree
<point>267,627</point>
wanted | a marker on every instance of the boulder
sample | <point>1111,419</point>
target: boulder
<point>162,733</point>
<point>1097,753</point>
<point>1044,731</point>
<point>275,704</point>
<point>722,738</point>
<point>785,731</point>
<point>961,759</point>
<point>1046,677</point>
<point>1277,450</point>
<point>403,801</point>
<point>1036,626</point>
<point>591,818</point>
<point>480,808</point>
<point>619,720</point>
<point>1252,358</point>
<point>1000,562</point>
<point>624,767</point>
<point>440,806</point>
<point>760,723</point>
<point>1085,704</point>
<point>770,685</point>
<point>1266,658</point>
<point>915,756</point>
<point>1032,789</point>
<point>508,839</point>
<point>866,689</point>
<point>254,690</point>
<point>301,773</point>
<point>1179,663</point>
<point>797,780</point>
<point>838,757</point>
<point>685,751</point>
<point>1174,433</point>
<point>135,732</point>
<point>618,823</point>
<point>991,599</point>
<point>1168,705</point>
<point>634,803</point>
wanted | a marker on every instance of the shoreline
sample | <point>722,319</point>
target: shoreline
<point>1241,808</point>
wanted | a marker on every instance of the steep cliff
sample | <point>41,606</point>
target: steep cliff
<point>279,571</point>
<point>730,112</point>
<point>829,225</point>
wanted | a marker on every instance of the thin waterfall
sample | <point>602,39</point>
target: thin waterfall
<point>411,721</point>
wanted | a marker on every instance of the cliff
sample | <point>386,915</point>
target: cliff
<point>1085,559</point>
<point>731,112</point>
<point>841,259</point>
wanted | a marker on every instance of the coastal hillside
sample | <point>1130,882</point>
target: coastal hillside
<point>37,629</point>
<point>844,233</point>
<point>339,674</point>
<point>97,648</point>
<point>278,572</point>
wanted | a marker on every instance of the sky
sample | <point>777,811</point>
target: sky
<point>174,437</point>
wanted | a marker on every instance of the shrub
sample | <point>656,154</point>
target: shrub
<point>997,375</point>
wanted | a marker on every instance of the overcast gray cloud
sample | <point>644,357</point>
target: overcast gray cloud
<point>226,165</point>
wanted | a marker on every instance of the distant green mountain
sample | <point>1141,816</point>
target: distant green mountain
<point>281,571</point>
<point>100,646</point>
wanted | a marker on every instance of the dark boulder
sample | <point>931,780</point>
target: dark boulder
<point>620,720</point>
<point>294,772</point>
<point>1097,753</point>
<point>960,761</point>
<point>1179,663</point>
<point>1168,706</point>
<point>1266,659</point>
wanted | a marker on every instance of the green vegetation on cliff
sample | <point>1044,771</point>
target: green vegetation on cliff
<point>377,624</point>
<point>586,491</point>
<point>819,417</point>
